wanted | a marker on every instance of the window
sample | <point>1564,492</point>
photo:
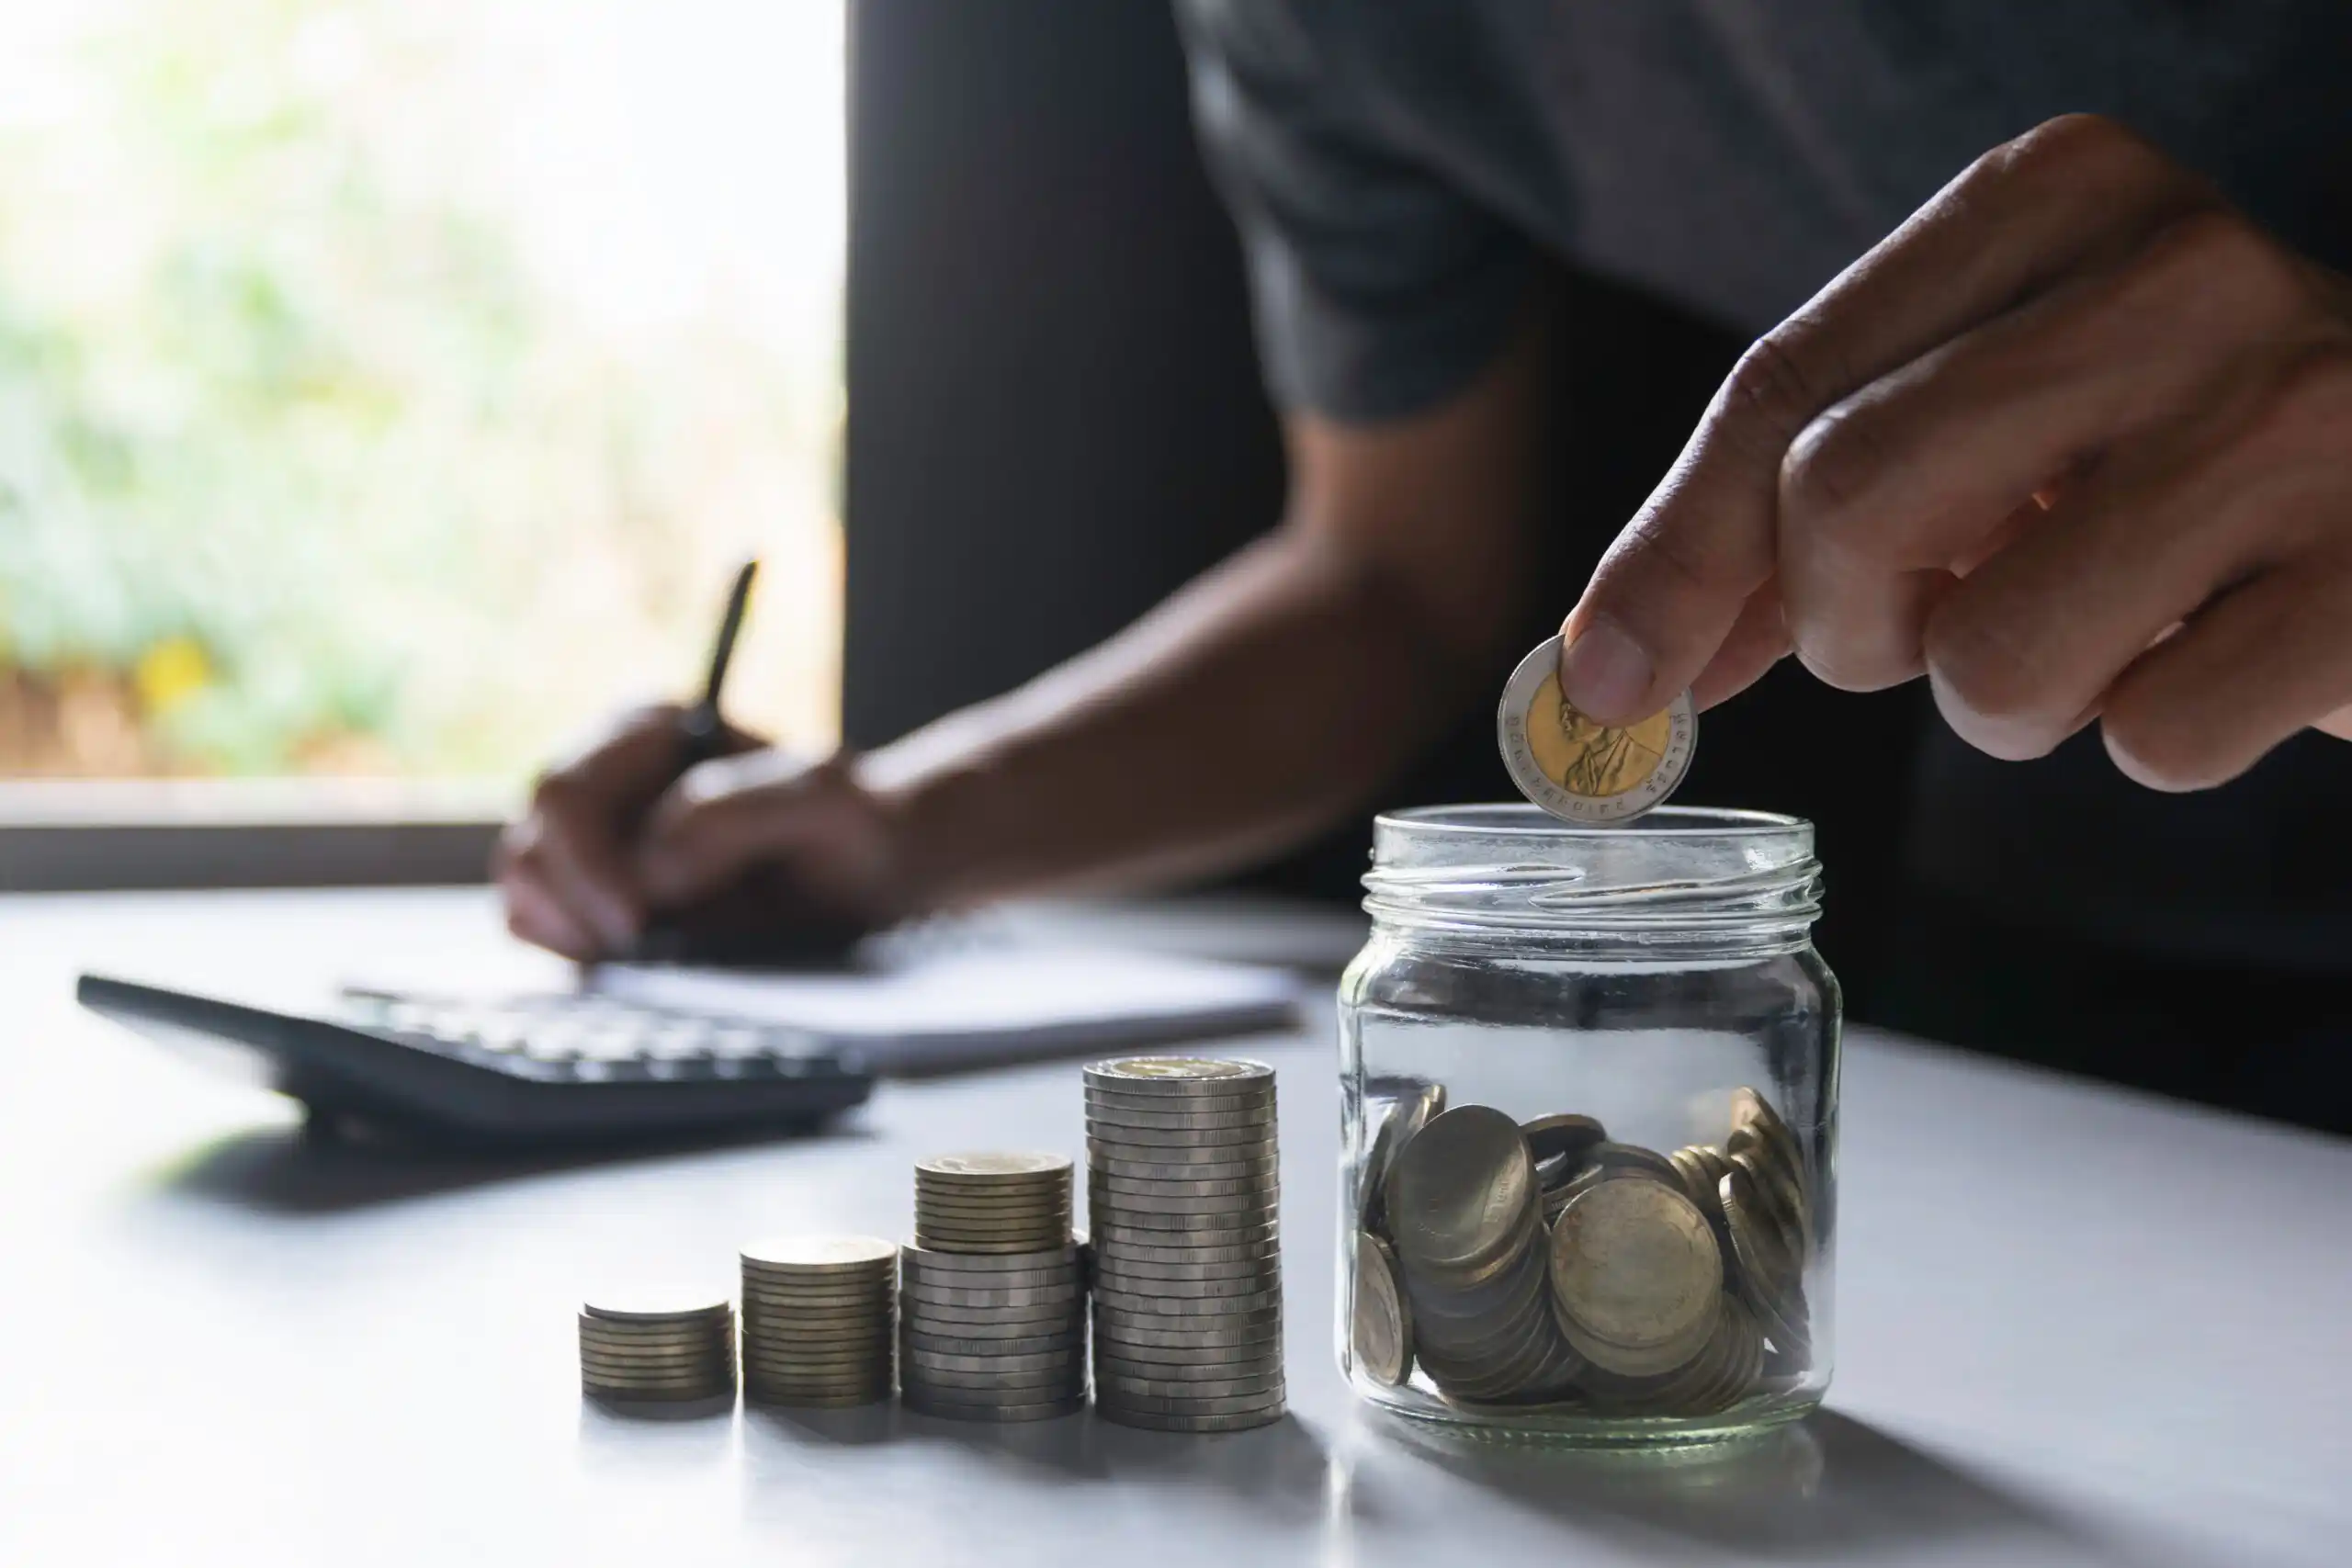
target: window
<point>388,387</point>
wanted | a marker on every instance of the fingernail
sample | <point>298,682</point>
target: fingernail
<point>1605,674</point>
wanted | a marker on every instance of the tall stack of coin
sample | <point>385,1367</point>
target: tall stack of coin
<point>817,1317</point>
<point>992,1302</point>
<point>1184,1196</point>
<point>1465,1212</point>
<point>657,1346</point>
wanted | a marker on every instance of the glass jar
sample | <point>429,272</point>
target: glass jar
<point>1589,1094</point>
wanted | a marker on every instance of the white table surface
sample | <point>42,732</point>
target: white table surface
<point>2078,1326</point>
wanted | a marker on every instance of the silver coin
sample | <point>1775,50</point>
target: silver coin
<point>987,1296</point>
<point>1264,1167</point>
<point>923,1260</point>
<point>992,1166</point>
<point>1129,1369</point>
<point>1190,1290</point>
<point>822,1253</point>
<point>1066,1322</point>
<point>1104,1141</point>
<point>959,1345</point>
<point>1189,1328</point>
<point>1018,1387</point>
<point>1192,1361</point>
<point>794,1380</point>
<point>609,1372</point>
<point>813,1401</point>
<point>1171,1199</point>
<point>1009,1280</point>
<point>1461,1191</point>
<point>1119,1265</point>
<point>1186,1308</point>
<point>1192,1238</point>
<point>974,1246</point>
<point>1032,1361</point>
<point>653,1394</point>
<point>1163,1405</point>
<point>925,1313</point>
<point>642,1332</point>
<point>1136,1391</point>
<point>952,1410</point>
<point>1142,1344</point>
<point>1136,1254</point>
<point>1413,1105</point>
<point>1260,1185</point>
<point>839,1309</point>
<point>1382,1323</point>
<point>1176,1075</point>
<point>1105,1115</point>
<point>1160,1423</point>
<point>1580,771</point>
<point>656,1304</point>
<point>1000,1209</point>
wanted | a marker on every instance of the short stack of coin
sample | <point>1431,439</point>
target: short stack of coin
<point>817,1319</point>
<point>657,1346</point>
<point>992,1301</point>
<point>1465,1212</point>
<point>1184,1196</point>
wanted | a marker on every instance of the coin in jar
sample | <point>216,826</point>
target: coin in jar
<point>1384,1326</point>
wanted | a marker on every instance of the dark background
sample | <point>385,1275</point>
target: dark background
<point>1056,419</point>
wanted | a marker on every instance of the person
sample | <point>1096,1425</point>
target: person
<point>2017,381</point>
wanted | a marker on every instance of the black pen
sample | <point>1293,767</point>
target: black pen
<point>701,731</point>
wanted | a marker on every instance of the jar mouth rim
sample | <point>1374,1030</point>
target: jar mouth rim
<point>1534,822</point>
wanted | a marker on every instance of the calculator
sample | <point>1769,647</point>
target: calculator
<point>553,1067</point>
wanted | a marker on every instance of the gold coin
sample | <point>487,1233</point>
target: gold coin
<point>1579,770</point>
<point>1636,1273</point>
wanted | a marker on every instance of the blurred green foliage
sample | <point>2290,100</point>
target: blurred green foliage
<point>262,395</point>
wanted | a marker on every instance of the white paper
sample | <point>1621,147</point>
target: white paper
<point>930,1011</point>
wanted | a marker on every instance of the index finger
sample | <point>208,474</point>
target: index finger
<point>1669,591</point>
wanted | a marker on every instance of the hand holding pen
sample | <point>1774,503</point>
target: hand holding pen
<point>676,836</point>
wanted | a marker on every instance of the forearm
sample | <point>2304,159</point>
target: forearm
<point>1260,704</point>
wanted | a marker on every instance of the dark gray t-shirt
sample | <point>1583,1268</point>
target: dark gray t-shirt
<point>1397,165</point>
<point>1398,168</point>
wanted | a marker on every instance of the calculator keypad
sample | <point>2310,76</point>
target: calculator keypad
<point>593,1038</point>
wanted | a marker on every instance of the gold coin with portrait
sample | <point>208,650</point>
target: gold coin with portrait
<point>1582,771</point>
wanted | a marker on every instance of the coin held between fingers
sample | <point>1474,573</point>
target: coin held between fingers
<point>1578,769</point>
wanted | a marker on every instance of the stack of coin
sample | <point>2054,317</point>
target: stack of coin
<point>657,1346</point>
<point>992,1301</point>
<point>1466,1213</point>
<point>817,1316</point>
<point>992,1202</point>
<point>1183,1197</point>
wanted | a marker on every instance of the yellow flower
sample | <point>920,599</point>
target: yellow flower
<point>170,673</point>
